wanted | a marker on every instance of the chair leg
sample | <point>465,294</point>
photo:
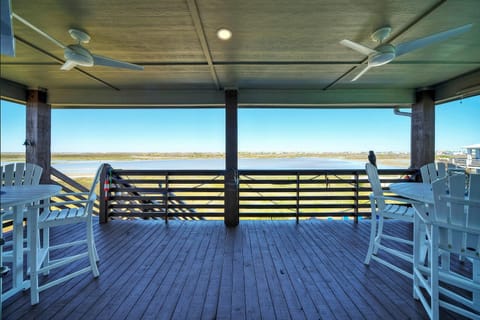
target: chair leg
<point>97,258</point>
<point>92,252</point>
<point>33,263</point>
<point>373,235</point>
<point>34,292</point>
<point>378,237</point>
<point>434,282</point>
<point>476,279</point>
<point>46,246</point>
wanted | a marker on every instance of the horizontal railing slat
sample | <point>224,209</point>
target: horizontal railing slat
<point>262,193</point>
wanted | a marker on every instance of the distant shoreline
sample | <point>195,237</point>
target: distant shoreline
<point>396,159</point>
<point>17,156</point>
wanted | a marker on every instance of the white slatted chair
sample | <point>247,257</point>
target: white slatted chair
<point>382,210</point>
<point>453,229</point>
<point>3,269</point>
<point>433,171</point>
<point>72,212</point>
<point>16,174</point>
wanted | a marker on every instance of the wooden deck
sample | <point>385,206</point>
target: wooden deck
<point>202,270</point>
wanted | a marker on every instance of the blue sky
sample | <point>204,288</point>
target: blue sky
<point>267,130</point>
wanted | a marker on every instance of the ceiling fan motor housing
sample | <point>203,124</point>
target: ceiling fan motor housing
<point>386,53</point>
<point>79,55</point>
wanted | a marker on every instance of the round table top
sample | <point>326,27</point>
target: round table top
<point>421,192</point>
<point>17,195</point>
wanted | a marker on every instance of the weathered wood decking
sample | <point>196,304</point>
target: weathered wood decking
<point>203,270</point>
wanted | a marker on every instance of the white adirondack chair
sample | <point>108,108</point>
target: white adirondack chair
<point>16,174</point>
<point>453,228</point>
<point>3,269</point>
<point>72,212</point>
<point>382,208</point>
<point>433,171</point>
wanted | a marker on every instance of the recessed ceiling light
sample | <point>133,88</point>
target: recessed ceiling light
<point>224,34</point>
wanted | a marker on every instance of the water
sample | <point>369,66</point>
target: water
<point>80,168</point>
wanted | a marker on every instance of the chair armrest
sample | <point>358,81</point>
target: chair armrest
<point>57,204</point>
<point>398,199</point>
<point>70,194</point>
<point>63,203</point>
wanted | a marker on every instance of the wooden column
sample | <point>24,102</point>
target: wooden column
<point>38,131</point>
<point>231,159</point>
<point>422,144</point>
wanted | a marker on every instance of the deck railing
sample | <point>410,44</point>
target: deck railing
<point>69,185</point>
<point>199,194</point>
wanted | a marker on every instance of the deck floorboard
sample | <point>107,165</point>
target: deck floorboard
<point>204,270</point>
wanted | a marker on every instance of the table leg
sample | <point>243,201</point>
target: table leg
<point>18,283</point>
<point>34,253</point>
<point>17,237</point>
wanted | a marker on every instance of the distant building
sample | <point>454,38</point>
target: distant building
<point>473,155</point>
<point>470,159</point>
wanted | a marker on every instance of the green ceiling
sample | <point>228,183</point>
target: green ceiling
<point>282,53</point>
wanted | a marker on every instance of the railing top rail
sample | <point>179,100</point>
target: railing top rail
<point>320,171</point>
<point>168,171</point>
<point>256,171</point>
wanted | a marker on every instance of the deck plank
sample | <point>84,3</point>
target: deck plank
<point>203,270</point>
<point>279,303</point>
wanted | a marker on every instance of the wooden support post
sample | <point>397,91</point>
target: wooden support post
<point>231,159</point>
<point>103,194</point>
<point>38,131</point>
<point>422,144</point>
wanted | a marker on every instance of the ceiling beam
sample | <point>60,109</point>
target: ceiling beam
<point>12,91</point>
<point>344,98</point>
<point>197,22</point>
<point>461,87</point>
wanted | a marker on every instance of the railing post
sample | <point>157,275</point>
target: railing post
<point>103,206</point>
<point>166,193</point>
<point>298,199</point>
<point>355,218</point>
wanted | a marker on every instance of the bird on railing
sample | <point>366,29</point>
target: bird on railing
<point>372,158</point>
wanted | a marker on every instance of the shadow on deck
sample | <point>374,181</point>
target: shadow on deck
<point>203,270</point>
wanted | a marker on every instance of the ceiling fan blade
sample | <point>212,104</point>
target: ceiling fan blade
<point>408,46</point>
<point>108,62</point>
<point>68,65</point>
<point>44,34</point>
<point>361,73</point>
<point>7,37</point>
<point>357,47</point>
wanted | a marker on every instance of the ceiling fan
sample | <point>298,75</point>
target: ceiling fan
<point>75,54</point>
<point>386,53</point>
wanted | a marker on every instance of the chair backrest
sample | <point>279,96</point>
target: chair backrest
<point>474,210</point>
<point>16,174</point>
<point>433,171</point>
<point>92,195</point>
<point>457,215</point>
<point>375,183</point>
